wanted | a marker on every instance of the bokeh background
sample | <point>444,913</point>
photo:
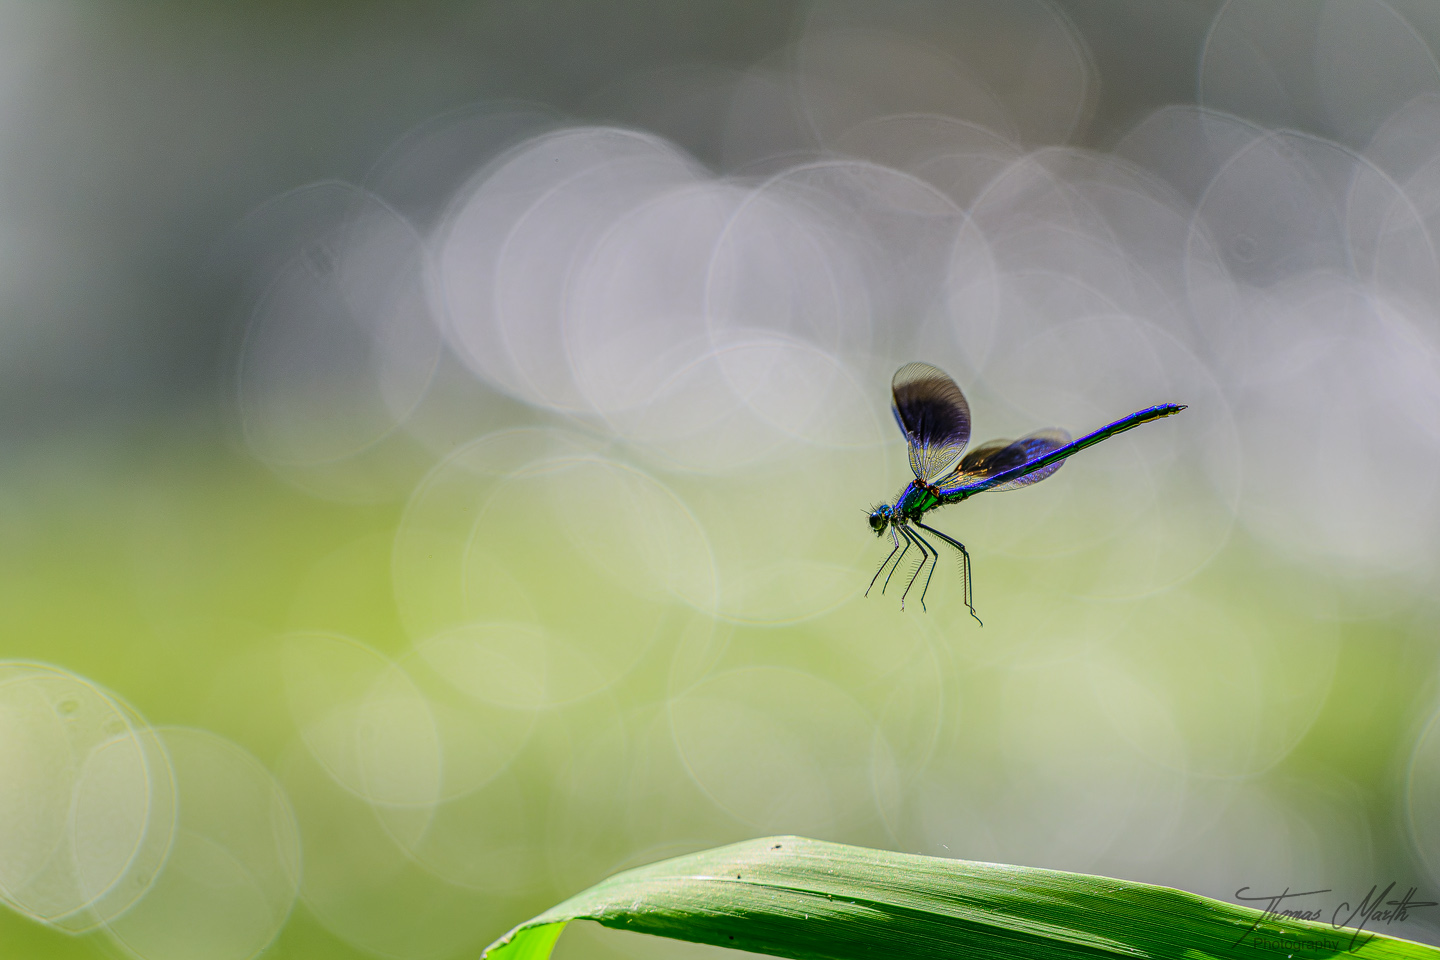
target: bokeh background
<point>437,439</point>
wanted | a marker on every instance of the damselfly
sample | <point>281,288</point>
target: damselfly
<point>935,419</point>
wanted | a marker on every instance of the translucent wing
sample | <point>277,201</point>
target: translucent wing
<point>997,456</point>
<point>933,415</point>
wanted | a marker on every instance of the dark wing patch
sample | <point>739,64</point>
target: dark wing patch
<point>992,457</point>
<point>998,456</point>
<point>933,415</point>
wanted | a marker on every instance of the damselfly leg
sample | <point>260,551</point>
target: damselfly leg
<point>898,560</point>
<point>927,552</point>
<point>965,569</point>
<point>881,569</point>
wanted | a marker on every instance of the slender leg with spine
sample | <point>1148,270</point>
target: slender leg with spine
<point>899,559</point>
<point>881,568</point>
<point>926,588</point>
<point>965,560</point>
<point>925,554</point>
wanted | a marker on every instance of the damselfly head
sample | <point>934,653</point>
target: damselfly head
<point>880,518</point>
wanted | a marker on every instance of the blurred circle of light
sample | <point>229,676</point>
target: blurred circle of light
<point>475,841</point>
<point>753,397</point>
<point>807,395</point>
<point>540,277</point>
<point>623,798</point>
<point>1334,355</point>
<point>1186,145</point>
<point>1338,67</point>
<point>635,309</point>
<point>1242,683</point>
<point>234,871</point>
<point>909,729</point>
<point>87,799</point>
<point>1035,607</point>
<point>471,837</point>
<point>368,889</point>
<point>783,569</point>
<point>783,263</point>
<point>422,170</point>
<point>340,348</point>
<point>429,566</point>
<point>956,156</point>
<point>1272,213</point>
<point>479,736</point>
<point>623,519</point>
<point>1391,243</point>
<point>1044,299</point>
<point>885,232</point>
<point>510,238</point>
<point>697,646</point>
<point>662,350</point>
<point>1033,192</point>
<point>1149,222</point>
<point>684,102</point>
<point>1119,503</point>
<point>1409,138</point>
<point>972,291</point>
<point>688,293</point>
<point>1018,66</point>
<point>1037,253</point>
<point>778,749</point>
<point>364,720</point>
<point>499,662</point>
<point>1413,269</point>
<point>899,672</point>
<point>1075,790</point>
<point>600,542</point>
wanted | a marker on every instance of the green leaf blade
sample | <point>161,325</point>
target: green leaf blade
<point>526,942</point>
<point>810,900</point>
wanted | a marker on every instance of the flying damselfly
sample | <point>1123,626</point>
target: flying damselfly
<point>935,418</point>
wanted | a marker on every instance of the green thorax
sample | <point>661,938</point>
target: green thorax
<point>917,500</point>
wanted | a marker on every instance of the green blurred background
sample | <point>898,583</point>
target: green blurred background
<point>438,439</point>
